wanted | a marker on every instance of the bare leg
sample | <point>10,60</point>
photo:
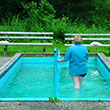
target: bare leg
<point>76,81</point>
<point>81,80</point>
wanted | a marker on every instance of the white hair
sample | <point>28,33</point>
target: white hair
<point>77,39</point>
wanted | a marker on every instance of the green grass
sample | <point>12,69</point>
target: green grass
<point>11,50</point>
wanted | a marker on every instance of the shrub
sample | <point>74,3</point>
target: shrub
<point>38,16</point>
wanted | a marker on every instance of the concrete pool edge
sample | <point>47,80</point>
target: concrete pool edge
<point>105,60</point>
<point>8,64</point>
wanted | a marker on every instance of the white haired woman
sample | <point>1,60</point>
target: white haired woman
<point>78,57</point>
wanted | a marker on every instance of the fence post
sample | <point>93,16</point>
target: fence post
<point>5,47</point>
<point>44,45</point>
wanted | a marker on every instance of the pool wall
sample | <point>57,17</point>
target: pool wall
<point>103,66</point>
<point>9,64</point>
<point>6,78</point>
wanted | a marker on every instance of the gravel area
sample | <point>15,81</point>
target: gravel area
<point>72,105</point>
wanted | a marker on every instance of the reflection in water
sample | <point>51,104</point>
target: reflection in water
<point>76,92</point>
<point>94,73</point>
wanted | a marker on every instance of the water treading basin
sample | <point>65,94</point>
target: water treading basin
<point>32,78</point>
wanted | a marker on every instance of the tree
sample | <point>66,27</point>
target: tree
<point>74,9</point>
<point>41,14</point>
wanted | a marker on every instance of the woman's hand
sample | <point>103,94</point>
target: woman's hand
<point>60,60</point>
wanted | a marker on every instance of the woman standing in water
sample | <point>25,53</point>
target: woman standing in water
<point>78,57</point>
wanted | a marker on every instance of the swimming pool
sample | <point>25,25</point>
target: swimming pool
<point>32,78</point>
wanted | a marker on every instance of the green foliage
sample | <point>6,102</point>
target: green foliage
<point>59,27</point>
<point>55,99</point>
<point>10,8</point>
<point>39,13</point>
<point>38,16</point>
<point>14,24</point>
<point>84,11</point>
<point>74,8</point>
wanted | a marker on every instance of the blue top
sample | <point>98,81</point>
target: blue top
<point>77,56</point>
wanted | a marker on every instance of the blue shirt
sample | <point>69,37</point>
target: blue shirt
<point>77,56</point>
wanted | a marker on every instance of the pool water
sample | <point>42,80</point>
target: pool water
<point>94,86</point>
<point>33,80</point>
<point>96,82</point>
<point>33,77</point>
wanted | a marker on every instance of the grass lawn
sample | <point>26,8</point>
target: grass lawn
<point>11,50</point>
